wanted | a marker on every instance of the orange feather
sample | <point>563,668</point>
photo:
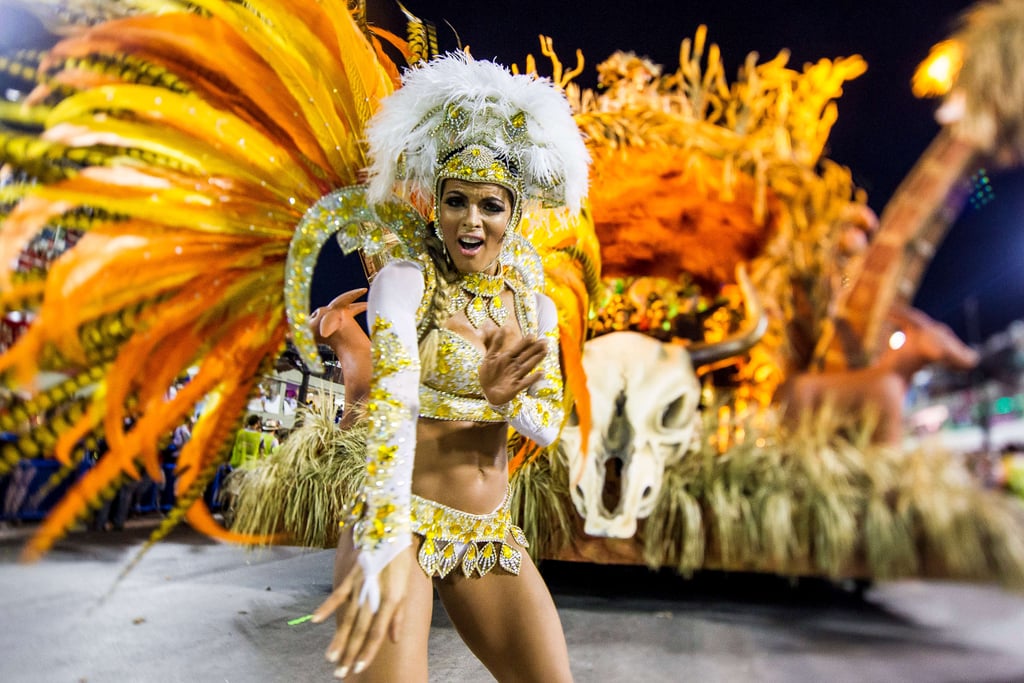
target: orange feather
<point>205,161</point>
<point>69,439</point>
<point>22,224</point>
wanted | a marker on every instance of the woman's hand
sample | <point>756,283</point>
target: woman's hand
<point>509,364</point>
<point>360,632</point>
<point>335,324</point>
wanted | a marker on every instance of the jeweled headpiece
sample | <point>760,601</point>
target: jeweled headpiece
<point>456,117</point>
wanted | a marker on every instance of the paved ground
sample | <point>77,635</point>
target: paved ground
<point>198,611</point>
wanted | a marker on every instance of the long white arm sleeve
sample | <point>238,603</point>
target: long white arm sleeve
<point>383,526</point>
<point>537,412</point>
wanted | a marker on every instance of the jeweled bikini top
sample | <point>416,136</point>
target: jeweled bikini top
<point>450,386</point>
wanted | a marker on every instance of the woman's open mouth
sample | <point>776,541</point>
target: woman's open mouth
<point>470,246</point>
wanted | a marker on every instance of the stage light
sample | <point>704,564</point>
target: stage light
<point>936,74</point>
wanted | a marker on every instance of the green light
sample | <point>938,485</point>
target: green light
<point>1004,405</point>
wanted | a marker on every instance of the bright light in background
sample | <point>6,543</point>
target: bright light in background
<point>897,340</point>
<point>935,75</point>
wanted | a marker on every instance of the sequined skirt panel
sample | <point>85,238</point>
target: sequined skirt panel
<point>475,543</point>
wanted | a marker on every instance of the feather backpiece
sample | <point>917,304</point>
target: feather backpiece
<point>182,169</point>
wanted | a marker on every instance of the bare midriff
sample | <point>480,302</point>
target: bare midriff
<point>463,465</point>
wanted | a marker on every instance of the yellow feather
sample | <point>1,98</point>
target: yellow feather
<point>120,191</point>
<point>303,65</point>
<point>180,151</point>
<point>233,75</point>
<point>83,426</point>
<point>222,130</point>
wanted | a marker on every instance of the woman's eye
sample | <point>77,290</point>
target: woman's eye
<point>494,208</point>
<point>454,201</point>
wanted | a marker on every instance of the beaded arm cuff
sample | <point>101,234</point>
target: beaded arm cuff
<point>537,412</point>
<point>383,527</point>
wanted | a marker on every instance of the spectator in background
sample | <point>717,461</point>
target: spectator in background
<point>19,479</point>
<point>247,441</point>
<point>181,436</point>
<point>248,447</point>
<point>268,440</point>
<point>115,512</point>
<point>169,460</point>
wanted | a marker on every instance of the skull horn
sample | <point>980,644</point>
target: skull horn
<point>755,323</point>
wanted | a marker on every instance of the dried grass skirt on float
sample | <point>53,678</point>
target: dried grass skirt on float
<point>306,486</point>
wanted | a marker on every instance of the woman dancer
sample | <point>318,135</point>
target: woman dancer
<point>464,344</point>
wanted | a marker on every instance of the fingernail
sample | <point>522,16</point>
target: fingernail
<point>358,668</point>
<point>340,672</point>
<point>333,656</point>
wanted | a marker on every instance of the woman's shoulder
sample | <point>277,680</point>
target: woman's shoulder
<point>404,274</point>
<point>400,267</point>
<point>532,290</point>
<point>407,282</point>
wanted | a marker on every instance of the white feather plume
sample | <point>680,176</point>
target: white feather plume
<point>405,130</point>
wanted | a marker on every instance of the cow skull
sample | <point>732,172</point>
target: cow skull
<point>644,398</point>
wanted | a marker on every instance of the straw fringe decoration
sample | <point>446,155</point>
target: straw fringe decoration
<point>816,500</point>
<point>541,504</point>
<point>302,489</point>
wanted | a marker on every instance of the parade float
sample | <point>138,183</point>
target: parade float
<point>786,456</point>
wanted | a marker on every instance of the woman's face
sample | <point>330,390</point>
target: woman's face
<point>473,219</point>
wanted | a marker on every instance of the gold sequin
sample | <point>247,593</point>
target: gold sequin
<point>392,229</point>
<point>450,388</point>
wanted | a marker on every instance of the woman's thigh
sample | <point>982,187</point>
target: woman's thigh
<point>510,623</point>
<point>406,659</point>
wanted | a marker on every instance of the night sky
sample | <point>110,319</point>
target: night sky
<point>881,131</point>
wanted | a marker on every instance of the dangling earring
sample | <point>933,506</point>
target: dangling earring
<point>448,261</point>
<point>507,253</point>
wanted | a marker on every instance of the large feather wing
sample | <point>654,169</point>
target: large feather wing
<point>187,169</point>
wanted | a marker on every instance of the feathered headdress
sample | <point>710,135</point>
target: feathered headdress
<point>456,117</point>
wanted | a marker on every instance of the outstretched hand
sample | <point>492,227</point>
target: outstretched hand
<point>509,364</point>
<point>360,631</point>
<point>335,323</point>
